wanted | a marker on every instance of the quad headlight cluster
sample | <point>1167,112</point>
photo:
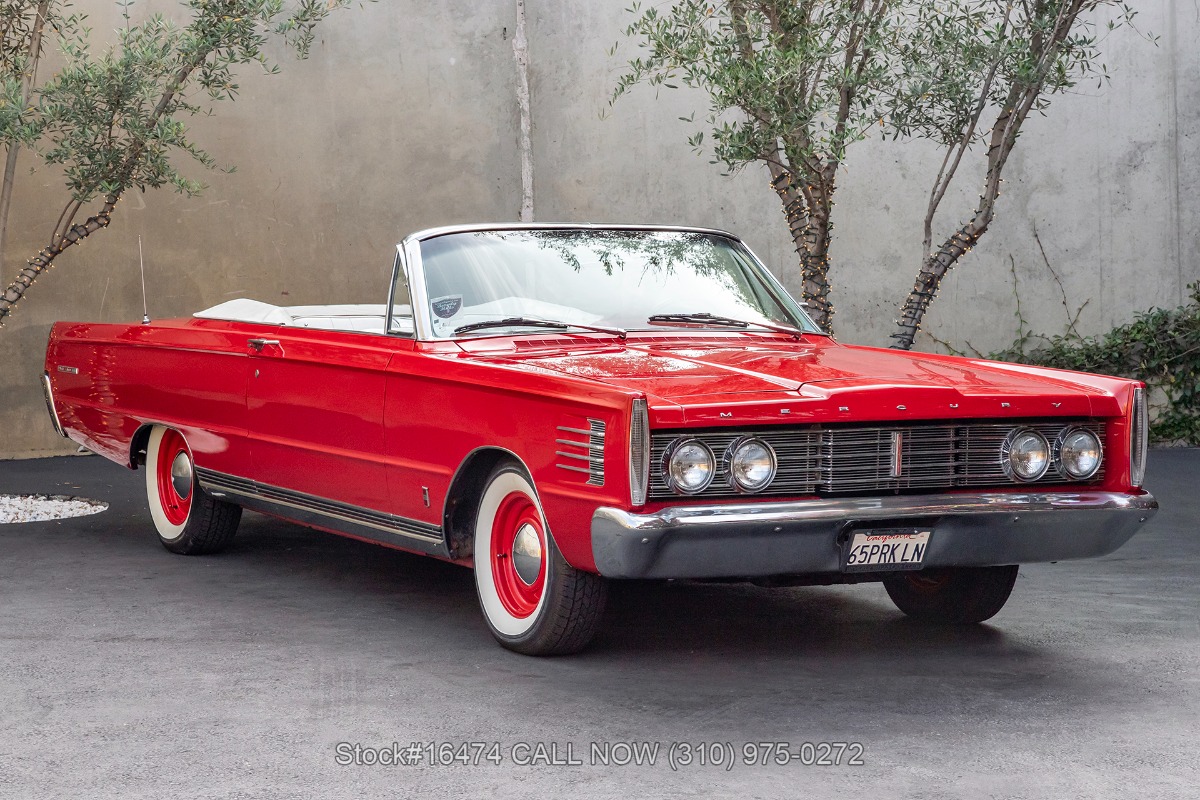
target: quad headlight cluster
<point>1027,455</point>
<point>749,463</point>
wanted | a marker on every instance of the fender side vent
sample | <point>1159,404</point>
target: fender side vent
<point>582,450</point>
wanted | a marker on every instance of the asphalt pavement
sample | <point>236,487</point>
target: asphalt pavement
<point>129,672</point>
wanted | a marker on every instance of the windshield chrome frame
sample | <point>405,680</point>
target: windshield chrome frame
<point>408,259</point>
<point>408,263</point>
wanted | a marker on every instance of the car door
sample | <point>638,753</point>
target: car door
<point>423,428</point>
<point>315,413</point>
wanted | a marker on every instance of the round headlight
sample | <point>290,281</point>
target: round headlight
<point>690,466</point>
<point>751,465</point>
<point>1028,455</point>
<point>1080,454</point>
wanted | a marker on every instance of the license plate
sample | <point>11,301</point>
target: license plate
<point>885,550</point>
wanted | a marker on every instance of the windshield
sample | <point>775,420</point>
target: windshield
<point>610,278</point>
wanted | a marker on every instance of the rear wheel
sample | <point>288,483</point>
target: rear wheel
<point>187,520</point>
<point>959,595</point>
<point>533,600</point>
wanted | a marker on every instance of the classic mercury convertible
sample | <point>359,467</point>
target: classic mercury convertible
<point>559,405</point>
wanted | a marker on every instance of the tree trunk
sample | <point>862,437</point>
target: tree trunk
<point>1022,96</point>
<point>936,266</point>
<point>808,224</point>
<point>45,259</point>
<point>6,190</point>
<point>814,263</point>
<point>1001,141</point>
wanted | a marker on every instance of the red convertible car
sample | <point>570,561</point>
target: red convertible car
<point>560,405</point>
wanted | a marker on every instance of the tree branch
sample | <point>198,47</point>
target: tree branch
<point>44,260</point>
<point>945,177</point>
<point>41,14</point>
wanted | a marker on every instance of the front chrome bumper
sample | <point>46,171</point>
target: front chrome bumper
<point>805,537</point>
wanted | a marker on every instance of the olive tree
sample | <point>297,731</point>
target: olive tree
<point>791,84</point>
<point>116,120</point>
<point>23,28</point>
<point>971,73</point>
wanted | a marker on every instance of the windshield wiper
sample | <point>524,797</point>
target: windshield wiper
<point>704,318</point>
<point>528,322</point>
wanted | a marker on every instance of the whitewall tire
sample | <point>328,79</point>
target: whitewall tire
<point>533,600</point>
<point>187,520</point>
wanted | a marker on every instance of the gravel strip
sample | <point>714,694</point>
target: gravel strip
<point>40,507</point>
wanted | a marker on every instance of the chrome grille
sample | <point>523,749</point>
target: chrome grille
<point>582,450</point>
<point>856,459</point>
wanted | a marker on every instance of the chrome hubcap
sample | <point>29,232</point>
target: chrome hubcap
<point>181,475</point>
<point>527,555</point>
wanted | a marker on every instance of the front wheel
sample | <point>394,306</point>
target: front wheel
<point>533,600</point>
<point>956,595</point>
<point>188,521</point>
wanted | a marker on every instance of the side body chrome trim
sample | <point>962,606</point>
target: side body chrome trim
<point>388,529</point>
<point>590,453</point>
<point>1139,433</point>
<point>639,451</point>
<point>48,393</point>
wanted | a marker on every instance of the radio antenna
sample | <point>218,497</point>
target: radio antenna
<point>142,265</point>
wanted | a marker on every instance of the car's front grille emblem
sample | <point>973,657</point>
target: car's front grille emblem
<point>897,453</point>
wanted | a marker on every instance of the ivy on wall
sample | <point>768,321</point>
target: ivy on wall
<point>1160,347</point>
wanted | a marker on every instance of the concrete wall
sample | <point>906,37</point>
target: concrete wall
<point>407,116</point>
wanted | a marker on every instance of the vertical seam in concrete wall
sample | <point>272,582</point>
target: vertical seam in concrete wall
<point>521,56</point>
<point>1173,117</point>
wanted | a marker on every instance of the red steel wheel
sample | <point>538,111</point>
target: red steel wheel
<point>170,482</point>
<point>518,554</point>
<point>509,514</point>
<point>174,473</point>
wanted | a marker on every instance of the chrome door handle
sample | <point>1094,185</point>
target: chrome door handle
<point>259,344</point>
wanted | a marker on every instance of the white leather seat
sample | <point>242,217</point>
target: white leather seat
<point>362,318</point>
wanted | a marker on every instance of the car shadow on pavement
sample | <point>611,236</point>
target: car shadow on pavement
<point>651,627</point>
<point>645,617</point>
<point>676,645</point>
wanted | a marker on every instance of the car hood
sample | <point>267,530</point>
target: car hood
<point>810,376</point>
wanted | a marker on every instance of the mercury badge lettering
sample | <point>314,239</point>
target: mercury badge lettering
<point>558,406</point>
